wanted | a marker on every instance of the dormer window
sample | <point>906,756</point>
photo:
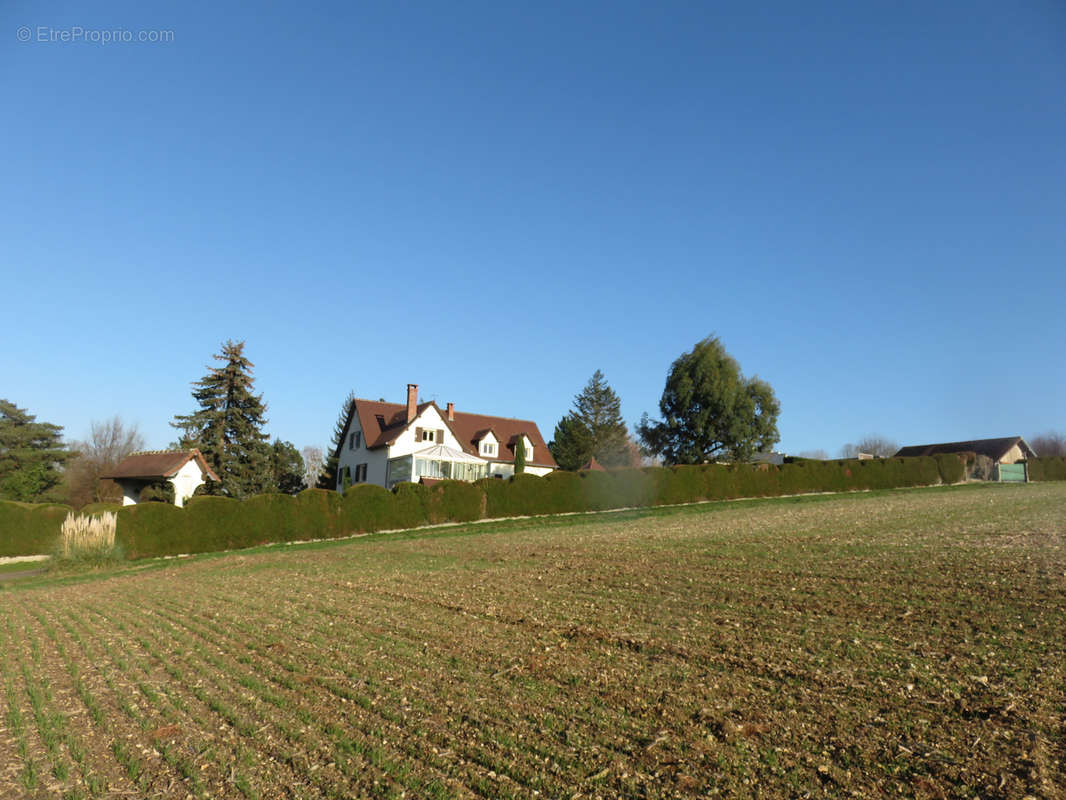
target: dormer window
<point>488,448</point>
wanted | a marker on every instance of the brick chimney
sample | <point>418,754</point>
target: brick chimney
<point>412,401</point>
<point>451,412</point>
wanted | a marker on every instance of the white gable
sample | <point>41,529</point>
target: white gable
<point>428,429</point>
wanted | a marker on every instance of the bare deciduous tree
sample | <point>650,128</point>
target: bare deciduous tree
<point>109,442</point>
<point>1051,443</point>
<point>314,463</point>
<point>874,444</point>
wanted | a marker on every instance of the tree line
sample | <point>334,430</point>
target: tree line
<point>227,426</point>
<point>709,411</point>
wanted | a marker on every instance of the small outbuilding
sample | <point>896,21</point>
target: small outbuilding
<point>183,469</point>
<point>1009,450</point>
<point>995,459</point>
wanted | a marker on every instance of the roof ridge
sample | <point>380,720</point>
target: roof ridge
<point>434,403</point>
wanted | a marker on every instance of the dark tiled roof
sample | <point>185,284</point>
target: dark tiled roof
<point>382,424</point>
<point>158,464</point>
<point>993,448</point>
<point>507,430</point>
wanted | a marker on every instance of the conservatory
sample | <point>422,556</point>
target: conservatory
<point>440,462</point>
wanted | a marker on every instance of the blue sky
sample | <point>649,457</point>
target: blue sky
<point>864,201</point>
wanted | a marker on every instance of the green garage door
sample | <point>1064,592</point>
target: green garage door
<point>1012,473</point>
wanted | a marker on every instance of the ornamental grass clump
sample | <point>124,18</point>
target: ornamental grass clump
<point>86,538</point>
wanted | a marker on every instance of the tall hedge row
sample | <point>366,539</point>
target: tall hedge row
<point>215,523</point>
<point>28,529</point>
<point>1049,468</point>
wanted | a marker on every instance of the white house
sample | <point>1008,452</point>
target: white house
<point>183,469</point>
<point>390,443</point>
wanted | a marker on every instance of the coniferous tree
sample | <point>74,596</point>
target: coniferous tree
<point>328,476</point>
<point>31,455</point>
<point>286,468</point>
<point>228,427</point>
<point>520,455</point>
<point>593,429</point>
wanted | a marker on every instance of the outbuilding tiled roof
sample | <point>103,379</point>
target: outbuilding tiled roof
<point>158,464</point>
<point>993,448</point>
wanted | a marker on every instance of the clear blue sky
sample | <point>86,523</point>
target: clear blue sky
<point>865,201</point>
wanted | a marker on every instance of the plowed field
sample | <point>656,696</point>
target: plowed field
<point>909,643</point>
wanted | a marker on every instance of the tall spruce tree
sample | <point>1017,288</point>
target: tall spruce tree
<point>31,455</point>
<point>228,427</point>
<point>328,477</point>
<point>593,429</point>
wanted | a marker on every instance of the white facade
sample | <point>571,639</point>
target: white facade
<point>355,453</point>
<point>131,492</point>
<point>185,481</point>
<point>399,462</point>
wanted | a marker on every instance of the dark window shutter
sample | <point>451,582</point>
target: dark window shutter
<point>418,434</point>
<point>440,436</point>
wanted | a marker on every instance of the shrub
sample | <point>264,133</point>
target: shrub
<point>517,496</point>
<point>158,492</point>
<point>367,508</point>
<point>99,508</point>
<point>220,523</point>
<point>214,523</point>
<point>679,485</point>
<point>952,467</point>
<point>154,529</point>
<point>1047,468</point>
<point>317,514</point>
<point>411,505</point>
<point>635,485</point>
<point>28,529</point>
<point>564,491</point>
<point>266,518</point>
<point>454,501</point>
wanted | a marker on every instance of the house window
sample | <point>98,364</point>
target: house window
<point>428,435</point>
<point>354,440</point>
<point>488,448</point>
<point>360,473</point>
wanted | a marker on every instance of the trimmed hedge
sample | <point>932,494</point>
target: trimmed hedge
<point>210,524</point>
<point>1047,468</point>
<point>153,529</point>
<point>99,508</point>
<point>29,529</point>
